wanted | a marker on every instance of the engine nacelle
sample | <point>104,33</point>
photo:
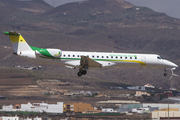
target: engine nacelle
<point>28,54</point>
<point>50,53</point>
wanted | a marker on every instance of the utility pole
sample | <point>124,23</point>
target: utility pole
<point>168,92</point>
<point>168,105</point>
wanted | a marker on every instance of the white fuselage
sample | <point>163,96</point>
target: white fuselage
<point>72,59</point>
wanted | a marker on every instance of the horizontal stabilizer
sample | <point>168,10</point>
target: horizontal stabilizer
<point>12,33</point>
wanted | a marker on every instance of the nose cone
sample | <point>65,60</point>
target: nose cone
<point>175,65</point>
<point>170,64</point>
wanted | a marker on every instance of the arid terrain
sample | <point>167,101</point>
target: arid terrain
<point>22,86</point>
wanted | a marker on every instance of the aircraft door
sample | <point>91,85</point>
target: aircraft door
<point>143,60</point>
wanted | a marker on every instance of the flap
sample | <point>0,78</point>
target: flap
<point>86,63</point>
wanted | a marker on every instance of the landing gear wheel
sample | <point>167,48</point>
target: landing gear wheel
<point>79,74</point>
<point>84,72</point>
<point>165,74</point>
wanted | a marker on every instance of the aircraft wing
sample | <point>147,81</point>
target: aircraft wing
<point>86,63</point>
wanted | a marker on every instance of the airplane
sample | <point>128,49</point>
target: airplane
<point>86,60</point>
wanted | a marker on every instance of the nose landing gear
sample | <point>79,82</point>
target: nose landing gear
<point>165,74</point>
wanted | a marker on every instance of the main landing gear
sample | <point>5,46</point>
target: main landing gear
<point>81,72</point>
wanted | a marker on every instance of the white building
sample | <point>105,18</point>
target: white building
<point>9,118</point>
<point>161,105</point>
<point>149,86</point>
<point>140,110</point>
<point>7,108</point>
<point>140,93</point>
<point>37,118</point>
<point>108,110</point>
<point>136,88</point>
<point>28,118</point>
<point>37,107</point>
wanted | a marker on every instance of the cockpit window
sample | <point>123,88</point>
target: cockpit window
<point>159,57</point>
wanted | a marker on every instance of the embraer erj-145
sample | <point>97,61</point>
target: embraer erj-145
<point>86,60</point>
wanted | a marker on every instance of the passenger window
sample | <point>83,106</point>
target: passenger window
<point>97,56</point>
<point>87,55</point>
<point>77,55</point>
<point>93,56</point>
<point>68,55</point>
<point>125,57</point>
<point>107,57</point>
<point>135,57</point>
<point>111,56</point>
<point>64,55</point>
<point>130,57</point>
<point>73,55</point>
<point>121,57</point>
<point>116,57</point>
<point>102,56</point>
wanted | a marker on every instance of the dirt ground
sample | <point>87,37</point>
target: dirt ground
<point>20,89</point>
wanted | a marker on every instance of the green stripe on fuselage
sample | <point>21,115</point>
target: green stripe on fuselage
<point>133,61</point>
<point>35,48</point>
<point>43,52</point>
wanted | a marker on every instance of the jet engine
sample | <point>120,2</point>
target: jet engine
<point>28,54</point>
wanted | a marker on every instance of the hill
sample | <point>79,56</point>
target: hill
<point>96,25</point>
<point>34,6</point>
<point>117,23</point>
<point>104,12</point>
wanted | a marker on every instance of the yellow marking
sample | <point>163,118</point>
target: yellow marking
<point>57,54</point>
<point>16,39</point>
<point>136,61</point>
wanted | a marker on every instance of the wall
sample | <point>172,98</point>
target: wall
<point>9,118</point>
<point>78,107</point>
<point>161,105</point>
<point>157,115</point>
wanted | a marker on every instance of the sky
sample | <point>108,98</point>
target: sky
<point>56,3</point>
<point>170,7</point>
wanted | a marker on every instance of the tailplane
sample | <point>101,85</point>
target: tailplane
<point>18,42</point>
